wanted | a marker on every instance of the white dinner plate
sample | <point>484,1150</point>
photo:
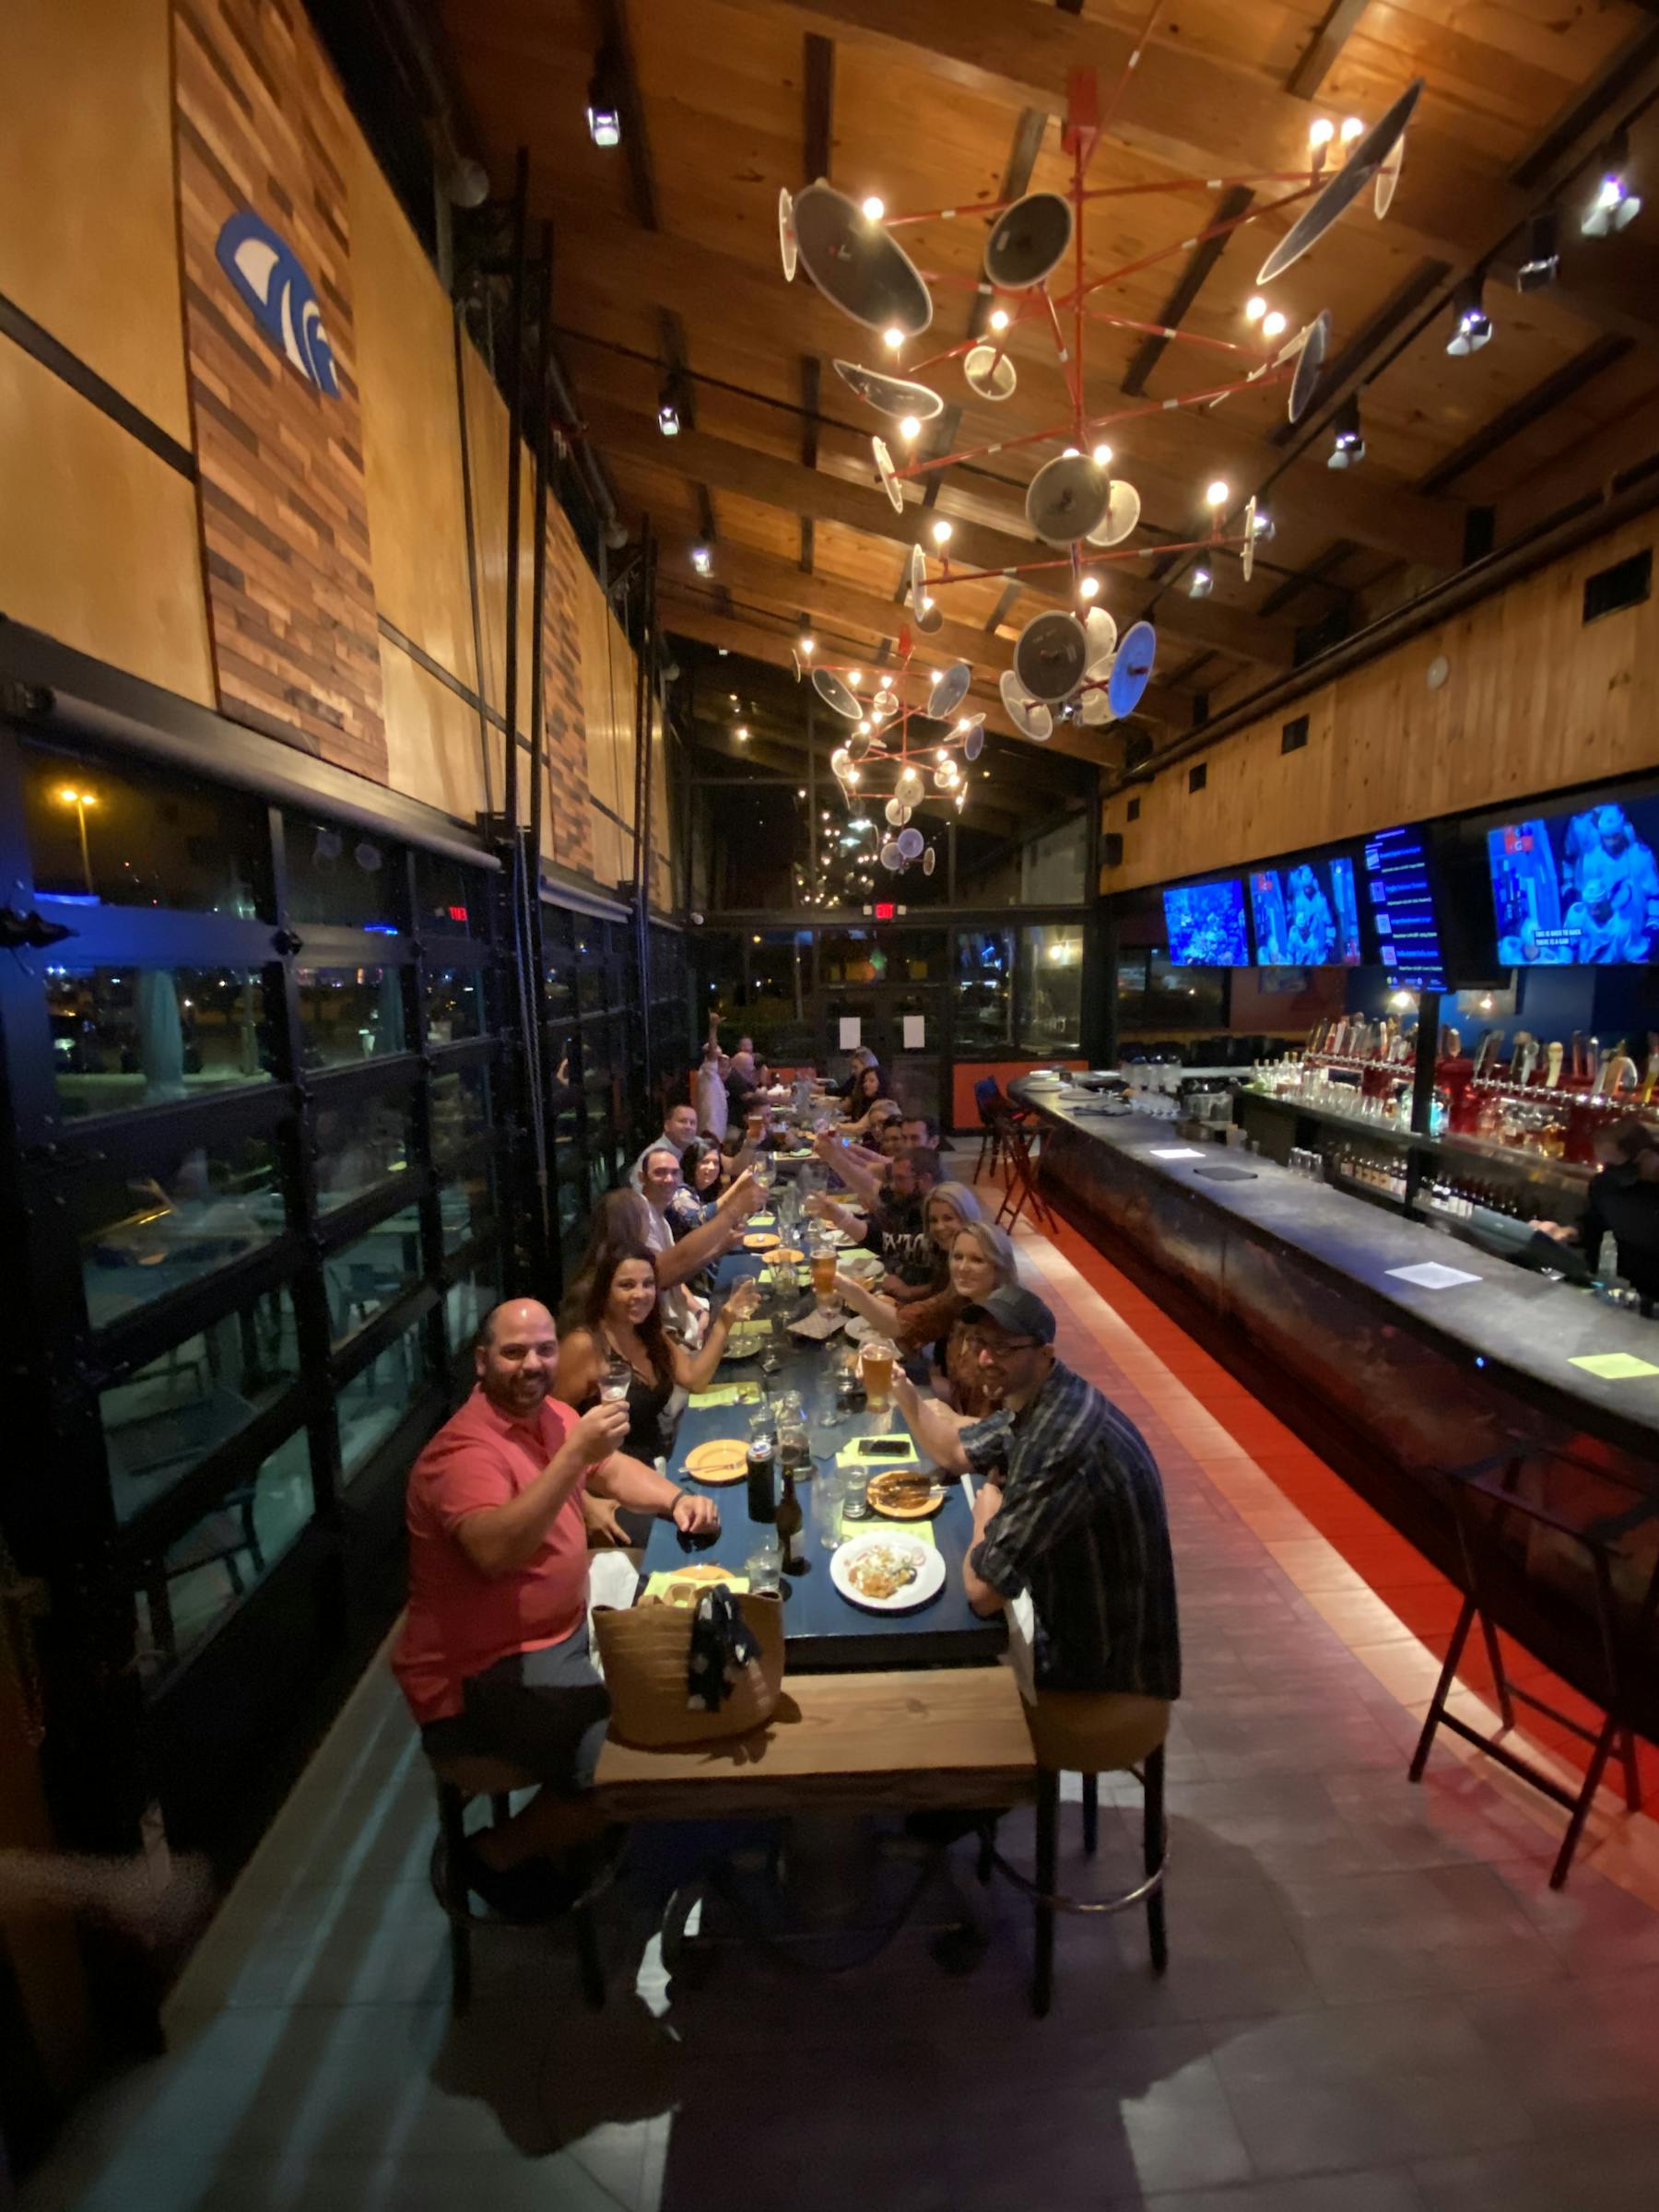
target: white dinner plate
<point>930,1573</point>
<point>858,1328</point>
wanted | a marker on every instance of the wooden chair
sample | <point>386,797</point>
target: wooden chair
<point>1092,1734</point>
<point>1023,1172</point>
<point>992,1108</point>
<point>459,1781</point>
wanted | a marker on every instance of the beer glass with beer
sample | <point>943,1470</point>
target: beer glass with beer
<point>878,1360</point>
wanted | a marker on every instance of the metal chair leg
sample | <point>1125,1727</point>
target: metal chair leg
<point>1154,1843</point>
<point>453,1826</point>
<point>1091,1814</point>
<point>1047,1874</point>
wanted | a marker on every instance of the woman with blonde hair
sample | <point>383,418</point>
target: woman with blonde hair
<point>981,1259</point>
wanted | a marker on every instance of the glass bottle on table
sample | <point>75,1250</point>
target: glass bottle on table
<point>790,1520</point>
<point>760,1462</point>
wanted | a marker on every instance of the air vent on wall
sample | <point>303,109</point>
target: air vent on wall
<point>1198,777</point>
<point>1626,584</point>
<point>1134,810</point>
<point>1294,735</point>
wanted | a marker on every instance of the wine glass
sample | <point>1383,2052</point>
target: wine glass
<point>615,1378</point>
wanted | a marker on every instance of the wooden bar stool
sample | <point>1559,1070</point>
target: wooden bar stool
<point>1486,1501</point>
<point>1092,1733</point>
<point>1023,1170</point>
<point>459,1781</point>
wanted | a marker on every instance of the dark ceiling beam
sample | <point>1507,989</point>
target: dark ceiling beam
<point>1347,369</point>
<point>636,147</point>
<point>1340,20</point>
<point>1315,577</point>
<point>1190,282</point>
<point>818,106</point>
<point>1003,609</point>
<point>811,374</point>
<point>1530,408</point>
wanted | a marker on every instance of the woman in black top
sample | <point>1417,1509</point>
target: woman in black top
<point>613,1314</point>
<point>1623,1202</point>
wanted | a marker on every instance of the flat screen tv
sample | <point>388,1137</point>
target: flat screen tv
<point>1306,914</point>
<point>1403,910</point>
<point>1579,887</point>
<point>1204,924</point>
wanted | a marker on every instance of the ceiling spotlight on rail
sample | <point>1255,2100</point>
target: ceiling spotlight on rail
<point>1541,263</point>
<point>1613,204</point>
<point>702,559</point>
<point>605,99</point>
<point>1200,584</point>
<point>1347,440</point>
<point>1471,325</point>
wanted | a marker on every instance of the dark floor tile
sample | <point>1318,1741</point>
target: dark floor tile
<point>1373,1935</point>
<point>1584,2054</point>
<point>1586,2174</point>
<point>1395,2192</point>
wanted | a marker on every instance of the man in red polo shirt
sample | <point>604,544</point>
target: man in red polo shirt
<point>494,1655</point>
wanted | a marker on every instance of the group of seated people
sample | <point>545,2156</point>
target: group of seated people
<point>538,1466</point>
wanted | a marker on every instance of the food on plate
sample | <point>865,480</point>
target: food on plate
<point>882,1569</point>
<point>908,1490</point>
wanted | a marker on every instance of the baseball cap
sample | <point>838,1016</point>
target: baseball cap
<point>1021,1312</point>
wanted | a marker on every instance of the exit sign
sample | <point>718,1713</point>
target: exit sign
<point>884,909</point>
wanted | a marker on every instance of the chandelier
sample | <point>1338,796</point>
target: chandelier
<point>1069,661</point>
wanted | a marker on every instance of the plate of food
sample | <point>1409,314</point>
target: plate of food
<point>886,1572</point>
<point>858,1328</point>
<point>685,1585</point>
<point>745,1339</point>
<point>866,1266</point>
<point>762,1240</point>
<point>722,1459</point>
<point>908,1492</point>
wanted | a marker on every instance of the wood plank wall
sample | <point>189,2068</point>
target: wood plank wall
<point>1534,700</point>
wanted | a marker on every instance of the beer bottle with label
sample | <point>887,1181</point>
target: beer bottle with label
<point>791,1556</point>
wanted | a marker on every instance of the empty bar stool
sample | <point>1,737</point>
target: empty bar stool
<point>992,1106</point>
<point>1092,1733</point>
<point>459,1781</point>
<point>1497,1526</point>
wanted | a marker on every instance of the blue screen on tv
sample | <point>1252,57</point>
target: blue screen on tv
<point>1205,923</point>
<point>1306,916</point>
<point>1578,889</point>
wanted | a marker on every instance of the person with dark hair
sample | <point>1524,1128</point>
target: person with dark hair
<point>614,1315</point>
<point>920,1131</point>
<point>1623,1203</point>
<point>702,1175</point>
<point>869,1094</point>
<point>893,1220</point>
<point>493,1656</point>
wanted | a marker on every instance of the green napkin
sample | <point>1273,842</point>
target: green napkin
<point>726,1394</point>
<point>1616,1367</point>
<point>922,1530</point>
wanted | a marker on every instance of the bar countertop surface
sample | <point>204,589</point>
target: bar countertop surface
<point>1509,1318</point>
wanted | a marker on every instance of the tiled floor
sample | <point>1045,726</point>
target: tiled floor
<point>1374,2003</point>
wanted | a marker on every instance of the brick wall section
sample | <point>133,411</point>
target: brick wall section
<point>564,720</point>
<point>262,126</point>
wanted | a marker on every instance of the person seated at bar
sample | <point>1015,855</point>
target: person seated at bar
<point>680,1129</point>
<point>891,1222</point>
<point>624,1219</point>
<point>887,1131</point>
<point>1070,1507</point>
<point>613,1318</point>
<point>870,1093</point>
<point>916,1318</point>
<point>920,1132</point>
<point>931,1333</point>
<point>1623,1202</point>
<point>493,1657</point>
<point>742,1091</point>
<point>858,1059</point>
<point>704,1172</point>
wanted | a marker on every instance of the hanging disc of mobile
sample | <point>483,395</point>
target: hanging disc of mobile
<point>857,263</point>
<point>1369,154</point>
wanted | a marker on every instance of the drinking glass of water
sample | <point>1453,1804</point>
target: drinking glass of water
<point>615,1377</point>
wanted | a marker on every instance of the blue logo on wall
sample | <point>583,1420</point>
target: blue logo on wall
<point>266,271</point>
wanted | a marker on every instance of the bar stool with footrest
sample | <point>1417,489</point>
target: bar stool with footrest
<point>1091,1733</point>
<point>992,1107</point>
<point>1023,1172</point>
<point>1489,1507</point>
<point>460,1780</point>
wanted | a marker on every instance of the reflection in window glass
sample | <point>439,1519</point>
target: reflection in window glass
<point>128,837</point>
<point>455,1004</point>
<point>1051,988</point>
<point>341,877</point>
<point>187,1591</point>
<point>465,1304</point>
<point>143,1236</point>
<point>366,1276</point>
<point>450,897</point>
<point>1159,1000</point>
<point>359,1146</point>
<point>466,1204</point>
<point>165,1419</point>
<point>127,1037</point>
<point>984,1008</point>
<point>349,1014</point>
<point>460,1107</point>
<point>570,1185</point>
<point>371,1406</point>
<point>559,943</point>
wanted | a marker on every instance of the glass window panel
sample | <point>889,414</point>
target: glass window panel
<point>168,1417</point>
<point>1051,987</point>
<point>143,1236</point>
<point>466,1204</point>
<point>572,1183</point>
<point>450,897</point>
<point>366,1276</point>
<point>128,837</point>
<point>359,1145</point>
<point>453,1005</point>
<point>984,1007</point>
<point>460,1104</point>
<point>341,877</point>
<point>127,1037</point>
<point>466,1302</point>
<point>559,943</point>
<point>371,1406</point>
<point>186,1592</point>
<point>349,1014</point>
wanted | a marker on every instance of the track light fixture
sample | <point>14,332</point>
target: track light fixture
<point>1471,325</point>
<point>1200,584</point>
<point>1347,440</point>
<point>702,559</point>
<point>605,99</point>
<point>1540,264</point>
<point>1614,203</point>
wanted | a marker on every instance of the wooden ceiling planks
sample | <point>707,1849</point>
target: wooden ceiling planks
<point>927,101</point>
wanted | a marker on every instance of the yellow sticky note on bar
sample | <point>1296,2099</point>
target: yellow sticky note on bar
<point>879,1524</point>
<point>726,1394</point>
<point>1615,1367</point>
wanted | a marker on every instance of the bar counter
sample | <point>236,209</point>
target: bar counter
<point>1441,1377</point>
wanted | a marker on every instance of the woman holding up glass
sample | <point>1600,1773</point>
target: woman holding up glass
<point>613,1344</point>
<point>981,1259</point>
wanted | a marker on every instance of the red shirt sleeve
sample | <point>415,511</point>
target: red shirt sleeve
<point>467,1477</point>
